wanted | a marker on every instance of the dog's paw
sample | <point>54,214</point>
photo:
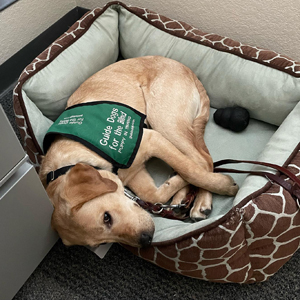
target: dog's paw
<point>225,185</point>
<point>200,214</point>
<point>202,206</point>
<point>232,187</point>
<point>180,195</point>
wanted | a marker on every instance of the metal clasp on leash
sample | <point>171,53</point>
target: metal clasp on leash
<point>172,206</point>
<point>156,208</point>
<point>131,197</point>
<point>170,211</point>
<point>167,206</point>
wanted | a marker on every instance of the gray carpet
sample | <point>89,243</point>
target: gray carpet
<point>77,273</point>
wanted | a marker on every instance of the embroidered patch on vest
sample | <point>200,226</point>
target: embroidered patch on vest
<point>111,129</point>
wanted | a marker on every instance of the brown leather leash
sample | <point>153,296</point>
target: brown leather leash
<point>181,211</point>
<point>292,187</point>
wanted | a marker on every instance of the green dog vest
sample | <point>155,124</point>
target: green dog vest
<point>111,129</point>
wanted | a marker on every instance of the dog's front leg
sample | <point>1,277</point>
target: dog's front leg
<point>153,144</point>
<point>143,185</point>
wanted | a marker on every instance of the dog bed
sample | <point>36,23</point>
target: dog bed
<point>247,238</point>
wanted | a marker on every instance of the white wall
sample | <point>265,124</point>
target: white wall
<point>21,22</point>
<point>271,24</point>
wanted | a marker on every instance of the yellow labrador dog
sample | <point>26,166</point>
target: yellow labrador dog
<point>90,207</point>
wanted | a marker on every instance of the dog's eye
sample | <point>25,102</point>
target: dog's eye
<point>107,218</point>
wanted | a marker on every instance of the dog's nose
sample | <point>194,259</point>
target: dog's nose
<point>146,239</point>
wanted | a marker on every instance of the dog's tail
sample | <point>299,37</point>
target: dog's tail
<point>200,122</point>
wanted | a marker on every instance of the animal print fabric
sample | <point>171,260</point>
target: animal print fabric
<point>252,241</point>
<point>221,43</point>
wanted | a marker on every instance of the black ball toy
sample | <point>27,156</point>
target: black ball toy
<point>234,118</point>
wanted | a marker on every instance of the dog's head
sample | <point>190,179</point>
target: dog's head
<point>90,209</point>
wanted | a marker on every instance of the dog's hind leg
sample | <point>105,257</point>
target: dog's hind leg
<point>153,144</point>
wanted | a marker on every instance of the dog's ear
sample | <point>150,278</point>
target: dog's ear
<point>84,183</point>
